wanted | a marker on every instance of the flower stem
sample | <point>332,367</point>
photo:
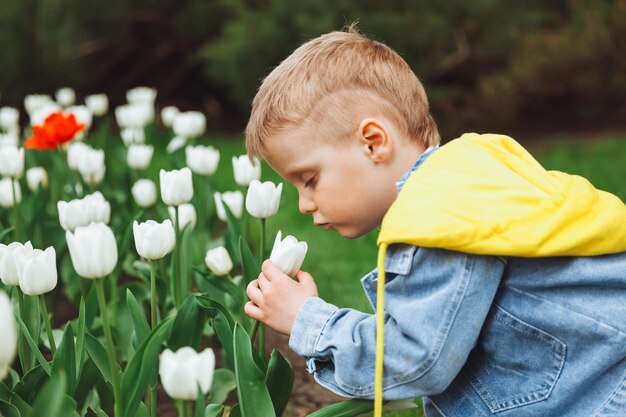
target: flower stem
<point>117,393</point>
<point>180,405</point>
<point>178,278</point>
<point>189,410</point>
<point>261,325</point>
<point>16,211</point>
<point>24,348</point>
<point>153,401</point>
<point>153,295</point>
<point>46,321</point>
<point>255,329</point>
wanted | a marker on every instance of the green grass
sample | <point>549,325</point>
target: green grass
<point>337,263</point>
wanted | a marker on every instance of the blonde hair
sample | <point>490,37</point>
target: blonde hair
<point>334,72</point>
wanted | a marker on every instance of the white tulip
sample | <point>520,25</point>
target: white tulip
<point>288,254</point>
<point>136,115</point>
<point>9,273</point>
<point>234,201</point>
<point>37,271</point>
<point>133,135</point>
<point>144,193</point>
<point>65,96</point>
<point>8,335</point>
<point>189,124</point>
<point>154,240</point>
<point>33,102</point>
<point>12,161</point>
<point>82,114</point>
<point>93,250</point>
<point>263,199</point>
<point>246,171</point>
<point>202,160</point>
<point>168,114</point>
<point>91,166</point>
<point>139,156</point>
<point>218,261</point>
<point>176,186</point>
<point>36,177</point>
<point>7,188</point>
<point>93,208</point>
<point>98,104</point>
<point>40,114</point>
<point>74,154</point>
<point>183,371</point>
<point>186,214</point>
<point>176,143</point>
<point>141,95</point>
<point>9,139</point>
<point>9,118</point>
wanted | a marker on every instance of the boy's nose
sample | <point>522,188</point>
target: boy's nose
<point>306,205</point>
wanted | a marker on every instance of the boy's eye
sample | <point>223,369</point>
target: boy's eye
<point>309,182</point>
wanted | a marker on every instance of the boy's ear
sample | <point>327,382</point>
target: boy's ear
<point>375,139</point>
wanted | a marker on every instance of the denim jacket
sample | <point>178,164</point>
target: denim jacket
<point>480,335</point>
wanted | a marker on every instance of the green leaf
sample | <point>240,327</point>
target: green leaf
<point>6,232</point>
<point>199,402</point>
<point>124,240</point>
<point>185,258</point>
<point>142,329</point>
<point>80,340</point>
<point>233,233</point>
<point>33,346</point>
<point>65,360</point>
<point>143,268</point>
<point>235,411</point>
<point>29,385</point>
<point>91,306</point>
<point>231,296</point>
<point>142,367</point>
<point>98,354</point>
<point>249,263</point>
<point>188,325</point>
<point>279,380</point>
<point>143,411</point>
<point>32,319</point>
<point>223,383</point>
<point>254,398</point>
<point>8,410</point>
<point>349,408</point>
<point>223,322</point>
<point>214,410</point>
<point>50,400</point>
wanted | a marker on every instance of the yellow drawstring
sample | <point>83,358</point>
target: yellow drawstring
<point>380,332</point>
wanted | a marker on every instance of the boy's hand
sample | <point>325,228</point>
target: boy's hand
<point>275,298</point>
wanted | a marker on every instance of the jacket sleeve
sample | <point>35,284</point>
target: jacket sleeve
<point>436,302</point>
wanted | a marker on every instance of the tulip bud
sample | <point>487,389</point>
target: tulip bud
<point>74,154</point>
<point>263,199</point>
<point>91,166</point>
<point>186,215</point>
<point>33,102</point>
<point>189,124</point>
<point>288,254</point>
<point>183,371</point>
<point>12,161</point>
<point>83,116</point>
<point>218,261</point>
<point>98,104</point>
<point>144,193</point>
<point>246,171</point>
<point>40,114</point>
<point>8,335</point>
<point>139,156</point>
<point>93,208</point>
<point>168,114</point>
<point>202,160</point>
<point>65,96</point>
<point>37,271</point>
<point>36,177</point>
<point>93,250</point>
<point>9,118</point>
<point>134,115</point>
<point>141,95</point>
<point>7,188</point>
<point>234,201</point>
<point>176,186</point>
<point>154,240</point>
<point>10,139</point>
<point>176,143</point>
<point>9,273</point>
<point>133,135</point>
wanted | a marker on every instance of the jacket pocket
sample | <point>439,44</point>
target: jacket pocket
<point>514,363</point>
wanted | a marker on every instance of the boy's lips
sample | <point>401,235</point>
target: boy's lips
<point>326,226</point>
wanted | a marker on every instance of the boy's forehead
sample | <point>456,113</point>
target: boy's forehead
<point>289,152</point>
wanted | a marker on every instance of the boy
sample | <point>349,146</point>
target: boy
<point>504,284</point>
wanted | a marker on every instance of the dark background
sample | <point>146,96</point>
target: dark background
<point>529,66</point>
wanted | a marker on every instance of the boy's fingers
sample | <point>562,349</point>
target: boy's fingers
<point>306,279</point>
<point>270,270</point>
<point>252,310</point>
<point>263,282</point>
<point>254,293</point>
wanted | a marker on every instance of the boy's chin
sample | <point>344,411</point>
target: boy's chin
<point>350,233</point>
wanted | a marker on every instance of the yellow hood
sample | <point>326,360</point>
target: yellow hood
<point>485,194</point>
